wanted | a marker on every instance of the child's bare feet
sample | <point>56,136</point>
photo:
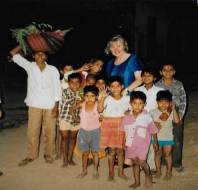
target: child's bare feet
<point>167,177</point>
<point>48,159</point>
<point>90,162</point>
<point>95,175</point>
<point>65,164</point>
<point>148,181</point>
<point>123,176</point>
<point>72,163</point>
<point>158,175</point>
<point>82,175</point>
<point>111,178</point>
<point>58,156</point>
<point>25,161</point>
<point>153,171</point>
<point>135,185</point>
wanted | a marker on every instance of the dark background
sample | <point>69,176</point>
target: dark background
<point>94,22</point>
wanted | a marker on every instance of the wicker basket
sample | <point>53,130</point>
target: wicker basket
<point>38,43</point>
<point>37,37</point>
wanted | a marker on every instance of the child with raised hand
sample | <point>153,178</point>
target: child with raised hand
<point>101,85</point>
<point>139,127</point>
<point>164,116</point>
<point>94,68</point>
<point>89,71</point>
<point>113,106</point>
<point>89,134</point>
<point>68,69</point>
<point>96,65</point>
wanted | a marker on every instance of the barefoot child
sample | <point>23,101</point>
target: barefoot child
<point>65,72</point>
<point>138,127</point>
<point>150,90</point>
<point>101,85</point>
<point>69,117</point>
<point>89,134</point>
<point>168,82</point>
<point>164,115</point>
<point>114,107</point>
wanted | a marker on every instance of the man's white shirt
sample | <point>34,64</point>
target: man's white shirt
<point>43,87</point>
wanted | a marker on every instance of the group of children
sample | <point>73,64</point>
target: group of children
<point>95,114</point>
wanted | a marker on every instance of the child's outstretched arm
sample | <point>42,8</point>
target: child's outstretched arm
<point>85,67</point>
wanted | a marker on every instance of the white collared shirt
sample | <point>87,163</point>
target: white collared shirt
<point>151,95</point>
<point>43,87</point>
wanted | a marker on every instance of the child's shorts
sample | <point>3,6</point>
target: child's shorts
<point>164,143</point>
<point>64,125</point>
<point>88,140</point>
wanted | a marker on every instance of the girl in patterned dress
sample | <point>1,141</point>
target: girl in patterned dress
<point>114,107</point>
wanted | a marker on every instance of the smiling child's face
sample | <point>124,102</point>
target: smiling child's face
<point>96,67</point>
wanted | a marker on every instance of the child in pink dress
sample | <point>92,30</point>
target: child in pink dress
<point>138,127</point>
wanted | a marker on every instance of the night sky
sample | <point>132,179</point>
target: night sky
<point>93,22</point>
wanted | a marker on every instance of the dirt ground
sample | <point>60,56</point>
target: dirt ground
<point>39,175</point>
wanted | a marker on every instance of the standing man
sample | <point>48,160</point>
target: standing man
<point>43,95</point>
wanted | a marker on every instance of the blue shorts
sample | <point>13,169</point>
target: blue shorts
<point>165,143</point>
<point>88,140</point>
